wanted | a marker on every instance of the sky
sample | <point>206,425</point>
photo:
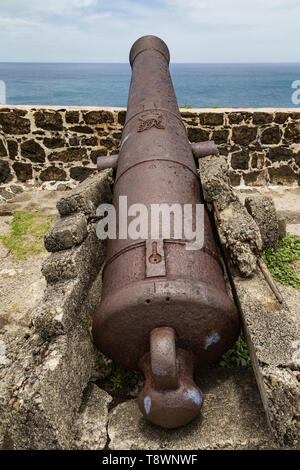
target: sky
<point>194,30</point>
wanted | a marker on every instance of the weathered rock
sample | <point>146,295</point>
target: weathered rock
<point>121,117</point>
<point>68,155</point>
<point>80,262</point>
<point>257,160</point>
<point>53,173</point>
<point>5,173</point>
<point>211,119</point>
<point>196,134</point>
<point>292,133</point>
<point>273,336</point>
<point>32,150</point>
<point>72,117</point>
<point>82,129</point>
<point>98,117</point>
<point>12,148</point>
<point>215,181</point>
<point>244,135</point>
<point>236,226</point>
<point>232,417</point>
<point>263,211</point>
<point>3,152</point>
<point>220,136</point>
<point>240,160</point>
<point>235,118</point>
<point>54,142</point>
<point>279,154</point>
<point>271,135</point>
<point>281,227</point>
<point>256,178</point>
<point>283,175</point>
<point>91,422</point>
<point>67,232</point>
<point>41,388</point>
<point>49,120</point>
<point>88,195</point>
<point>12,123</point>
<point>23,171</point>
<point>262,118</point>
<point>80,173</point>
<point>90,141</point>
<point>281,117</point>
<point>95,154</point>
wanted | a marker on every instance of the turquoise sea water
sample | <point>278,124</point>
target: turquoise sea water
<point>199,85</point>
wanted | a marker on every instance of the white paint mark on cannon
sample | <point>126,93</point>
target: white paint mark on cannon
<point>211,339</point>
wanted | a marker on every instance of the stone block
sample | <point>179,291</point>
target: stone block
<point>23,171</point>
<point>88,195</point>
<point>5,173</point>
<point>236,226</point>
<point>273,335</point>
<point>91,422</point>
<point>263,211</point>
<point>53,173</point>
<point>211,119</point>
<point>271,135</point>
<point>12,123</point>
<point>41,388</point>
<point>49,120</point>
<point>232,418</point>
<point>80,173</point>
<point>244,135</point>
<point>33,151</point>
<point>68,155</point>
<point>78,262</point>
<point>98,117</point>
<point>66,232</point>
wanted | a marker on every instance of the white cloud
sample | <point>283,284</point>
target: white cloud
<point>195,30</point>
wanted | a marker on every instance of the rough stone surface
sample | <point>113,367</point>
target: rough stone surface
<point>232,418</point>
<point>263,211</point>
<point>73,138</point>
<point>66,232</point>
<point>41,388</point>
<point>23,171</point>
<point>88,195</point>
<point>4,171</point>
<point>91,422</point>
<point>77,261</point>
<point>236,226</point>
<point>32,150</point>
<point>273,336</point>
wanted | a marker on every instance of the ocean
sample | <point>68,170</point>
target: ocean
<point>197,85</point>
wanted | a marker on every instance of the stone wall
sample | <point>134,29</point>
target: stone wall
<point>42,144</point>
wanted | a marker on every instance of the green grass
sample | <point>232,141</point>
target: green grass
<point>281,262</point>
<point>114,378</point>
<point>27,232</point>
<point>238,356</point>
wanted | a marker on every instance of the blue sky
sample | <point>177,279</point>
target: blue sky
<point>195,30</point>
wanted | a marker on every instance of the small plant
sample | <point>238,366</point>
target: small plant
<point>238,356</point>
<point>280,261</point>
<point>27,233</point>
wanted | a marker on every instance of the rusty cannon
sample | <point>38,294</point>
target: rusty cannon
<point>164,308</point>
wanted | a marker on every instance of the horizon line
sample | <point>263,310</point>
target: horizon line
<point>127,63</point>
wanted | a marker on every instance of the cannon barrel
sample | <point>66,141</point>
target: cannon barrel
<point>164,308</point>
